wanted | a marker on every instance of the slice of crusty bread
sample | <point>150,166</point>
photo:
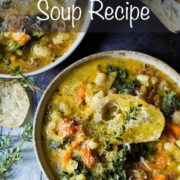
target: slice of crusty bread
<point>168,11</point>
<point>14,104</point>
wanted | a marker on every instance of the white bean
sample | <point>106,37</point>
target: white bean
<point>163,86</point>
<point>168,146</point>
<point>154,80</point>
<point>60,38</point>
<point>176,117</point>
<point>41,51</point>
<point>143,79</point>
<point>100,78</point>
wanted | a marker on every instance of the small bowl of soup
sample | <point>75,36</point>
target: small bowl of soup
<point>35,52</point>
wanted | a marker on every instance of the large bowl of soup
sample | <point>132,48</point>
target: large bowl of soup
<point>37,51</point>
<point>111,115</point>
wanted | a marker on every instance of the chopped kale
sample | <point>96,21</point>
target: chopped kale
<point>65,175</point>
<point>128,87</point>
<point>118,172</point>
<point>81,169</point>
<point>170,103</point>
<point>142,150</point>
<point>59,144</point>
<point>121,73</point>
<point>55,144</point>
<point>121,83</point>
<point>147,149</point>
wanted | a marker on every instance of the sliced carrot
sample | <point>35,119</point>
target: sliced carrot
<point>81,94</point>
<point>162,160</point>
<point>162,157</point>
<point>67,156</point>
<point>174,128</point>
<point>87,157</point>
<point>21,38</point>
<point>76,143</point>
<point>151,165</point>
<point>53,46</point>
<point>159,177</point>
<point>67,119</point>
<point>71,129</point>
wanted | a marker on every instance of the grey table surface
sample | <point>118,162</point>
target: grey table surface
<point>165,46</point>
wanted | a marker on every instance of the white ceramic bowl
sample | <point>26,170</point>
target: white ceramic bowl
<point>38,121</point>
<point>86,23</point>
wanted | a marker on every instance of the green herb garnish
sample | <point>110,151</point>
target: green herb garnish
<point>13,155</point>
<point>170,103</point>
<point>128,87</point>
<point>59,144</point>
<point>122,84</point>
<point>107,145</point>
<point>81,169</point>
<point>24,80</point>
<point>5,143</point>
<point>118,172</point>
<point>132,114</point>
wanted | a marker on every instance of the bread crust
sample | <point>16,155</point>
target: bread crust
<point>168,12</point>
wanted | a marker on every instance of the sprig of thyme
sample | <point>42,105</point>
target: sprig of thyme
<point>24,80</point>
<point>132,114</point>
<point>5,143</point>
<point>13,155</point>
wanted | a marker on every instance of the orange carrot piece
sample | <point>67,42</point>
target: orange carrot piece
<point>67,120</point>
<point>76,143</point>
<point>162,158</point>
<point>53,46</point>
<point>174,128</point>
<point>81,94</point>
<point>67,156</point>
<point>159,177</point>
<point>21,38</point>
<point>87,157</point>
<point>72,130</point>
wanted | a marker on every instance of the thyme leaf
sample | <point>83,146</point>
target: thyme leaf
<point>13,155</point>
<point>24,80</point>
<point>132,114</point>
<point>5,143</point>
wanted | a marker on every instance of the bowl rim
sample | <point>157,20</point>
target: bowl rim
<point>137,56</point>
<point>70,50</point>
